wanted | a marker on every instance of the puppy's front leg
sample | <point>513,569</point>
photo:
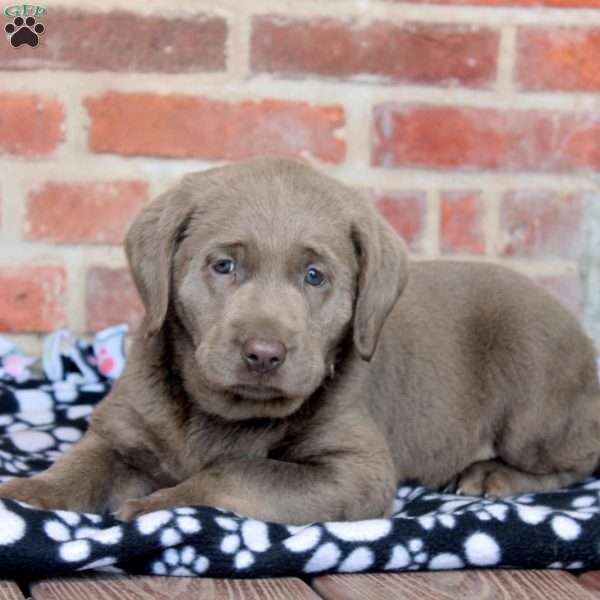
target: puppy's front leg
<point>89,478</point>
<point>337,488</point>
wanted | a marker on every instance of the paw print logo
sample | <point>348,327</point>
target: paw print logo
<point>76,536</point>
<point>24,31</point>
<point>243,540</point>
<point>183,563</point>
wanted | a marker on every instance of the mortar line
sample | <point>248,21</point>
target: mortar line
<point>507,60</point>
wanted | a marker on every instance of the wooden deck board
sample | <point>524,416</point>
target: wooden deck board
<point>449,585</point>
<point>117,587</point>
<point>591,580</point>
<point>10,591</point>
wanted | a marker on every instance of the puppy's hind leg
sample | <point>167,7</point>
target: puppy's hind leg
<point>90,477</point>
<point>494,478</point>
<point>532,458</point>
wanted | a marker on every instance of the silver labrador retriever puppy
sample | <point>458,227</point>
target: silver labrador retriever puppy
<point>292,366</point>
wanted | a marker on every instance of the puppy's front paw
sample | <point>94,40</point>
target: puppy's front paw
<point>34,491</point>
<point>473,480</point>
<point>495,479</point>
<point>131,509</point>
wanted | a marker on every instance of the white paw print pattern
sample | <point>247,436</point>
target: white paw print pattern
<point>429,521</point>
<point>173,525</point>
<point>590,500</point>
<point>565,523</point>
<point>364,533</point>
<point>411,556</point>
<point>329,555</point>
<point>488,510</point>
<point>480,549</point>
<point>404,496</point>
<point>75,537</point>
<point>568,566</point>
<point>67,391</point>
<point>30,430</point>
<point>182,562</point>
<point>34,409</point>
<point>243,539</point>
<point>45,442</point>
<point>483,508</point>
<point>10,463</point>
<point>13,526</point>
<point>64,390</point>
<point>454,506</point>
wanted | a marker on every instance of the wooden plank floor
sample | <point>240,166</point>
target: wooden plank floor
<point>116,587</point>
<point>466,585</point>
<point>10,591</point>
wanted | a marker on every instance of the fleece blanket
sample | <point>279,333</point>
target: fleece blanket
<point>44,409</point>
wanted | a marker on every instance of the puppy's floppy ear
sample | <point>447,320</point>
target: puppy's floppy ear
<point>150,245</point>
<point>383,263</point>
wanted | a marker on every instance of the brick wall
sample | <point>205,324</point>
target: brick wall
<point>474,126</point>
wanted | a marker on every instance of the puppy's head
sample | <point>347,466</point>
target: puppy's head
<point>265,266</point>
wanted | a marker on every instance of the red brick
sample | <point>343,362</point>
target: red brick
<point>32,298</point>
<point>95,212</point>
<point>111,298</point>
<point>557,3</point>
<point>405,211</point>
<point>189,126</point>
<point>565,288</point>
<point>122,41</point>
<point>541,224</point>
<point>30,125</point>
<point>447,137</point>
<point>418,53</point>
<point>559,59</point>
<point>461,222</point>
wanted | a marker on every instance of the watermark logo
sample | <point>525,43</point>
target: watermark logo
<point>24,10</point>
<point>24,29</point>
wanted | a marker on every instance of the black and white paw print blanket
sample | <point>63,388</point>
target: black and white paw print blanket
<point>44,409</point>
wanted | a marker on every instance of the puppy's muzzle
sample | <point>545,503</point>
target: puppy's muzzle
<point>263,355</point>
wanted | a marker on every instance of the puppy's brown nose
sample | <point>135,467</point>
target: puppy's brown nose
<point>263,355</point>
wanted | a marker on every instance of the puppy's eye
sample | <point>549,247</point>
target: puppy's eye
<point>224,266</point>
<point>314,277</point>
